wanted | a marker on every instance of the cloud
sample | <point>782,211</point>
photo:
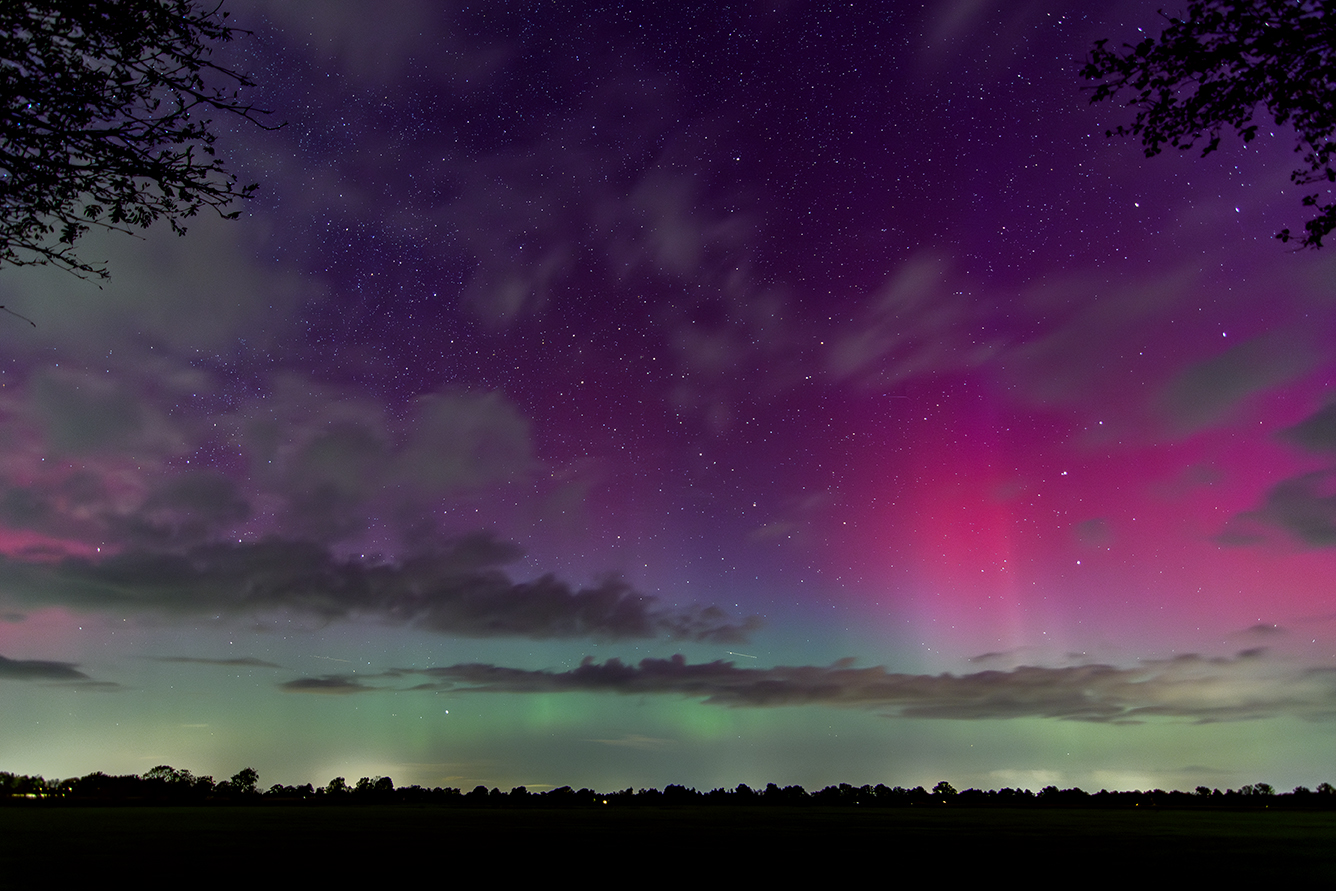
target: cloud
<point>1303,506</point>
<point>167,297</point>
<point>129,461</point>
<point>459,589</point>
<point>1207,392</point>
<point>464,441</point>
<point>330,684</point>
<point>502,210</point>
<point>37,670</point>
<point>922,322</point>
<point>85,414</point>
<point>186,509</point>
<point>245,662</point>
<point>527,228</point>
<point>381,48</point>
<point>1188,687</point>
<point>987,33</point>
<point>1094,533</point>
<point>1075,359</point>
<point>1316,432</point>
<point>750,345</point>
<point>635,741</point>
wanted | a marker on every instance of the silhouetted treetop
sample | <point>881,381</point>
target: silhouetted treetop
<point>1212,69</point>
<point>245,780</point>
<point>105,121</point>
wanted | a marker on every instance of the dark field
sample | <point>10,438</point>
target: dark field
<point>222,846</point>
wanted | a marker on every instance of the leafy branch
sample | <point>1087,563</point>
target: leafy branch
<point>106,122</point>
<point>1213,69</point>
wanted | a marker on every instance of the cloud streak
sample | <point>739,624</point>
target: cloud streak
<point>459,589</point>
<point>333,685</point>
<point>1191,687</point>
<point>245,662</point>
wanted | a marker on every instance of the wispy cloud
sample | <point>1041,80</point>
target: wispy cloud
<point>1207,392</point>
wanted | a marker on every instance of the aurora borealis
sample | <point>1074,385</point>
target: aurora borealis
<point>633,394</point>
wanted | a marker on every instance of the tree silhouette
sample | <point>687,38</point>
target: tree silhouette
<point>245,780</point>
<point>105,122</point>
<point>1212,69</point>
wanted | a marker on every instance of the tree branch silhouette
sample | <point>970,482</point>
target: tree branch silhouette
<point>106,122</point>
<point>1214,68</point>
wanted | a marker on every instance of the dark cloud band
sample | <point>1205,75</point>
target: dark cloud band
<point>459,589</point>
<point>1188,687</point>
<point>244,662</point>
<point>39,670</point>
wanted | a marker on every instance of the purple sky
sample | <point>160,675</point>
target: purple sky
<point>827,358</point>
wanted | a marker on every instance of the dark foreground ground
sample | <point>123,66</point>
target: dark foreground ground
<point>657,847</point>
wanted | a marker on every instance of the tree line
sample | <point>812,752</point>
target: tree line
<point>168,785</point>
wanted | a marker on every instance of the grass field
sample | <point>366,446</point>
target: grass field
<point>270,846</point>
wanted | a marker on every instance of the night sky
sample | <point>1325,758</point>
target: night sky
<point>619,395</point>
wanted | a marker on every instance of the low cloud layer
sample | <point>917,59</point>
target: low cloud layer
<point>459,589</point>
<point>1196,688</point>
